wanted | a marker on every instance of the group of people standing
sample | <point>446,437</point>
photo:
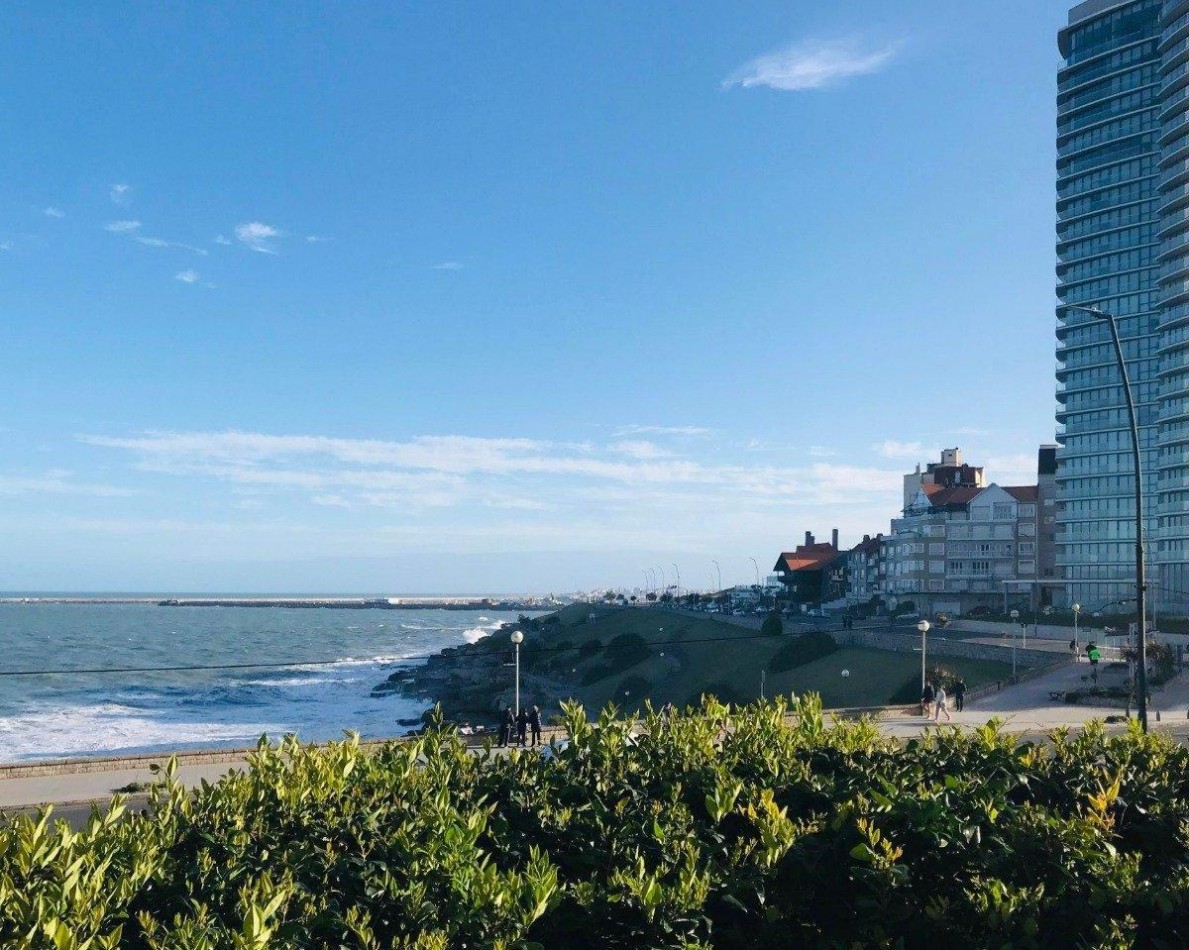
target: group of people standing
<point>516,727</point>
<point>934,700</point>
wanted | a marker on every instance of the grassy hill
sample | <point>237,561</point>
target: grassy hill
<point>599,654</point>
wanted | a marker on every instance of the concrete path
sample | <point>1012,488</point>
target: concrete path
<point>1026,708</point>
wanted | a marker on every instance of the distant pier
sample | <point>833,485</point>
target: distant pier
<point>308,603</point>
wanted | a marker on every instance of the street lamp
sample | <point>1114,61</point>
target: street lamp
<point>1015,616</point>
<point>677,571</point>
<point>1140,585</point>
<point>718,572</point>
<point>923,627</point>
<point>517,639</point>
<point>1077,609</point>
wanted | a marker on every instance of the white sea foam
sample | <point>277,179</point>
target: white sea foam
<point>475,634</point>
<point>82,714</point>
<point>231,712</point>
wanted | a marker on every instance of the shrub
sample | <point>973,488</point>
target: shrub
<point>741,830</point>
<point>599,671</point>
<point>772,626</point>
<point>802,650</point>
<point>628,649</point>
<point>590,648</point>
<point>631,691</point>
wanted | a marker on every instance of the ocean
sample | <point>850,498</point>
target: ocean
<point>90,714</point>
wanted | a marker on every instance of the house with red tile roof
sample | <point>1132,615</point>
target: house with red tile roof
<point>813,573</point>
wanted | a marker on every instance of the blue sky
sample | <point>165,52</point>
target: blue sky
<point>508,296</point>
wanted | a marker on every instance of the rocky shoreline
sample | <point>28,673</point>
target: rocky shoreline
<point>472,683</point>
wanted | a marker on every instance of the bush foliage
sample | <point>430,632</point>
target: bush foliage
<point>801,650</point>
<point>716,828</point>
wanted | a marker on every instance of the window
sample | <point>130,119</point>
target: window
<point>1028,511</point>
<point>1027,567</point>
<point>1002,511</point>
<point>937,585</point>
<point>1028,529</point>
<point>936,548</point>
<point>1027,549</point>
<point>937,567</point>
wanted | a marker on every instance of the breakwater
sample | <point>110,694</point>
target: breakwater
<point>325,603</point>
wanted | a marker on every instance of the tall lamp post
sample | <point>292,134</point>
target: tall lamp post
<point>1140,582</point>
<point>1077,609</point>
<point>718,572</point>
<point>517,639</point>
<point>923,627</point>
<point>677,570</point>
<point>1015,617</point>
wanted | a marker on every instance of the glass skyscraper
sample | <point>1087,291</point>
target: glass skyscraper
<point>1123,247</point>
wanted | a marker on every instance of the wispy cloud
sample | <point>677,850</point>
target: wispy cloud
<point>821,452</point>
<point>659,430</point>
<point>56,482</point>
<point>449,265</point>
<point>257,236</point>
<point>893,449</point>
<point>498,473</point>
<point>1018,469</point>
<point>221,239</point>
<point>161,242</point>
<point>812,65</point>
<point>640,449</point>
<point>52,212</point>
<point>187,276</point>
<point>316,239</point>
<point>5,245</point>
<point>120,193</point>
<point>122,227</point>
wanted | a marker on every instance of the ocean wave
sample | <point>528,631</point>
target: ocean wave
<point>92,714</point>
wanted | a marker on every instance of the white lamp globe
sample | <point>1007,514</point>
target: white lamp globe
<point>845,674</point>
<point>517,636</point>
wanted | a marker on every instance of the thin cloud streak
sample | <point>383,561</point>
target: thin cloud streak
<point>56,482</point>
<point>122,227</point>
<point>812,65</point>
<point>52,212</point>
<point>893,449</point>
<point>161,242</point>
<point>510,473</point>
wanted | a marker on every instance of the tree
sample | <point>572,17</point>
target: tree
<point>772,626</point>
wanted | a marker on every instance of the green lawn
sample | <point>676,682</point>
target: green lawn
<point>679,672</point>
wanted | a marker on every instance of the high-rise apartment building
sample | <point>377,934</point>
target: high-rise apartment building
<point>1123,247</point>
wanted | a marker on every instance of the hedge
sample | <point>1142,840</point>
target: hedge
<point>715,828</point>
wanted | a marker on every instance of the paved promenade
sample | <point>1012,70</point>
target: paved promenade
<point>1026,709</point>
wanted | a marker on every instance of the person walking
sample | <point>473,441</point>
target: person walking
<point>927,695</point>
<point>1073,650</point>
<point>534,723</point>
<point>507,724</point>
<point>940,705</point>
<point>521,726</point>
<point>960,694</point>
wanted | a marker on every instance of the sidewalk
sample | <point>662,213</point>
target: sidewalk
<point>1025,708</point>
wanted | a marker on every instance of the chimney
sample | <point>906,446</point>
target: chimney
<point>834,538</point>
<point>866,537</point>
<point>808,539</point>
